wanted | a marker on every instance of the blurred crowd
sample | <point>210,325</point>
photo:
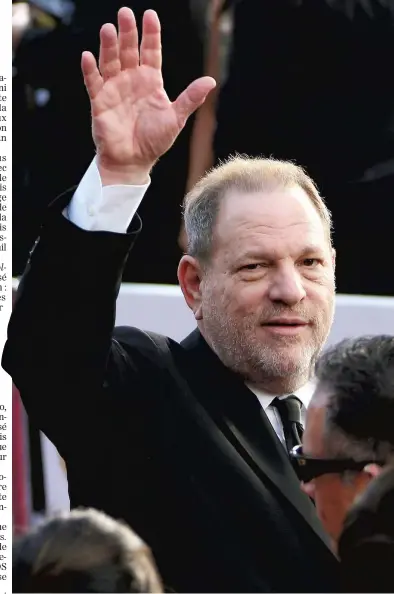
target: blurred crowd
<point>305,80</point>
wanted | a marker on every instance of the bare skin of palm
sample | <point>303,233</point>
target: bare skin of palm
<point>133,121</point>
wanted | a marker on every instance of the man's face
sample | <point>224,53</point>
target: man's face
<point>267,299</point>
<point>332,493</point>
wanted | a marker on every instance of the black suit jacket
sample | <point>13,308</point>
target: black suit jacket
<point>185,454</point>
<point>366,546</point>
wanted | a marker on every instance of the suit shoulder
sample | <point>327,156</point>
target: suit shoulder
<point>148,345</point>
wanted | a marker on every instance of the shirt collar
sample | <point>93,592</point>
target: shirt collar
<point>304,394</point>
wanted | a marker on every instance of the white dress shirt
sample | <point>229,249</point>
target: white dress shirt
<point>304,394</point>
<point>111,208</point>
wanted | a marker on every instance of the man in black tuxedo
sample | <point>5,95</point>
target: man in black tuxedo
<point>187,442</point>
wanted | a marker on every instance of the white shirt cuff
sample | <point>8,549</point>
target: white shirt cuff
<point>109,208</point>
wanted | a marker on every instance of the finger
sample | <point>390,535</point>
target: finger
<point>109,62</point>
<point>193,97</point>
<point>91,75</point>
<point>128,39</point>
<point>150,53</point>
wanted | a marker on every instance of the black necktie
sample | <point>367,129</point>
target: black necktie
<point>290,413</point>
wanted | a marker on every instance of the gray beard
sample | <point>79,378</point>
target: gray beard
<point>261,364</point>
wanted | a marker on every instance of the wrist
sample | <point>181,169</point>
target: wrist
<point>122,175</point>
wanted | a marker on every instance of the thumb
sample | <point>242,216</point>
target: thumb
<point>192,97</point>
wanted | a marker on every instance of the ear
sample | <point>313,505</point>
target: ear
<point>189,276</point>
<point>362,479</point>
<point>373,470</point>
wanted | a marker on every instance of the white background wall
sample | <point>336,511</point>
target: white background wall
<point>162,309</point>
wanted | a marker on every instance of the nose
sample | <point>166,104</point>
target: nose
<point>286,285</point>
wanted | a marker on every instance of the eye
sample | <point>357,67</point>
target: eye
<point>310,262</point>
<point>254,267</point>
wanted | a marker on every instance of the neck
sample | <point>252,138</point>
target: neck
<point>278,386</point>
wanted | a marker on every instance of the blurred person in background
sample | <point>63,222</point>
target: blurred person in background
<point>311,81</point>
<point>52,141</point>
<point>83,551</point>
<point>189,443</point>
<point>43,159</point>
<point>349,432</point>
<point>366,545</point>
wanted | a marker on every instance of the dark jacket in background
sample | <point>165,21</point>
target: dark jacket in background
<point>311,81</point>
<point>366,547</point>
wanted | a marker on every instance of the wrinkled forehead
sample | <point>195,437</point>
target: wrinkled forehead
<point>287,215</point>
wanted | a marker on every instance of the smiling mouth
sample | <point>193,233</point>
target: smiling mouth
<point>281,323</point>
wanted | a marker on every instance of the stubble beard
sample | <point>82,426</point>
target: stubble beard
<point>279,363</point>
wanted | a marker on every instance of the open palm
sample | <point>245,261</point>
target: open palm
<point>133,120</point>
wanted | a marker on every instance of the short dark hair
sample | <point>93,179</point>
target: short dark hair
<point>83,551</point>
<point>357,376</point>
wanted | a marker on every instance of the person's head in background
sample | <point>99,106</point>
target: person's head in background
<point>349,428</point>
<point>83,551</point>
<point>259,270</point>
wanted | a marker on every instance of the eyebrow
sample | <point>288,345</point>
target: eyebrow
<point>311,249</point>
<point>259,253</point>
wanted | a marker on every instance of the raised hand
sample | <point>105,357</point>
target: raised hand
<point>133,120</point>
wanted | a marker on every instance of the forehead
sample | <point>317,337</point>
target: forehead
<point>285,214</point>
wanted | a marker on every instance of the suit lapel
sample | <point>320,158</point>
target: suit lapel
<point>239,415</point>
